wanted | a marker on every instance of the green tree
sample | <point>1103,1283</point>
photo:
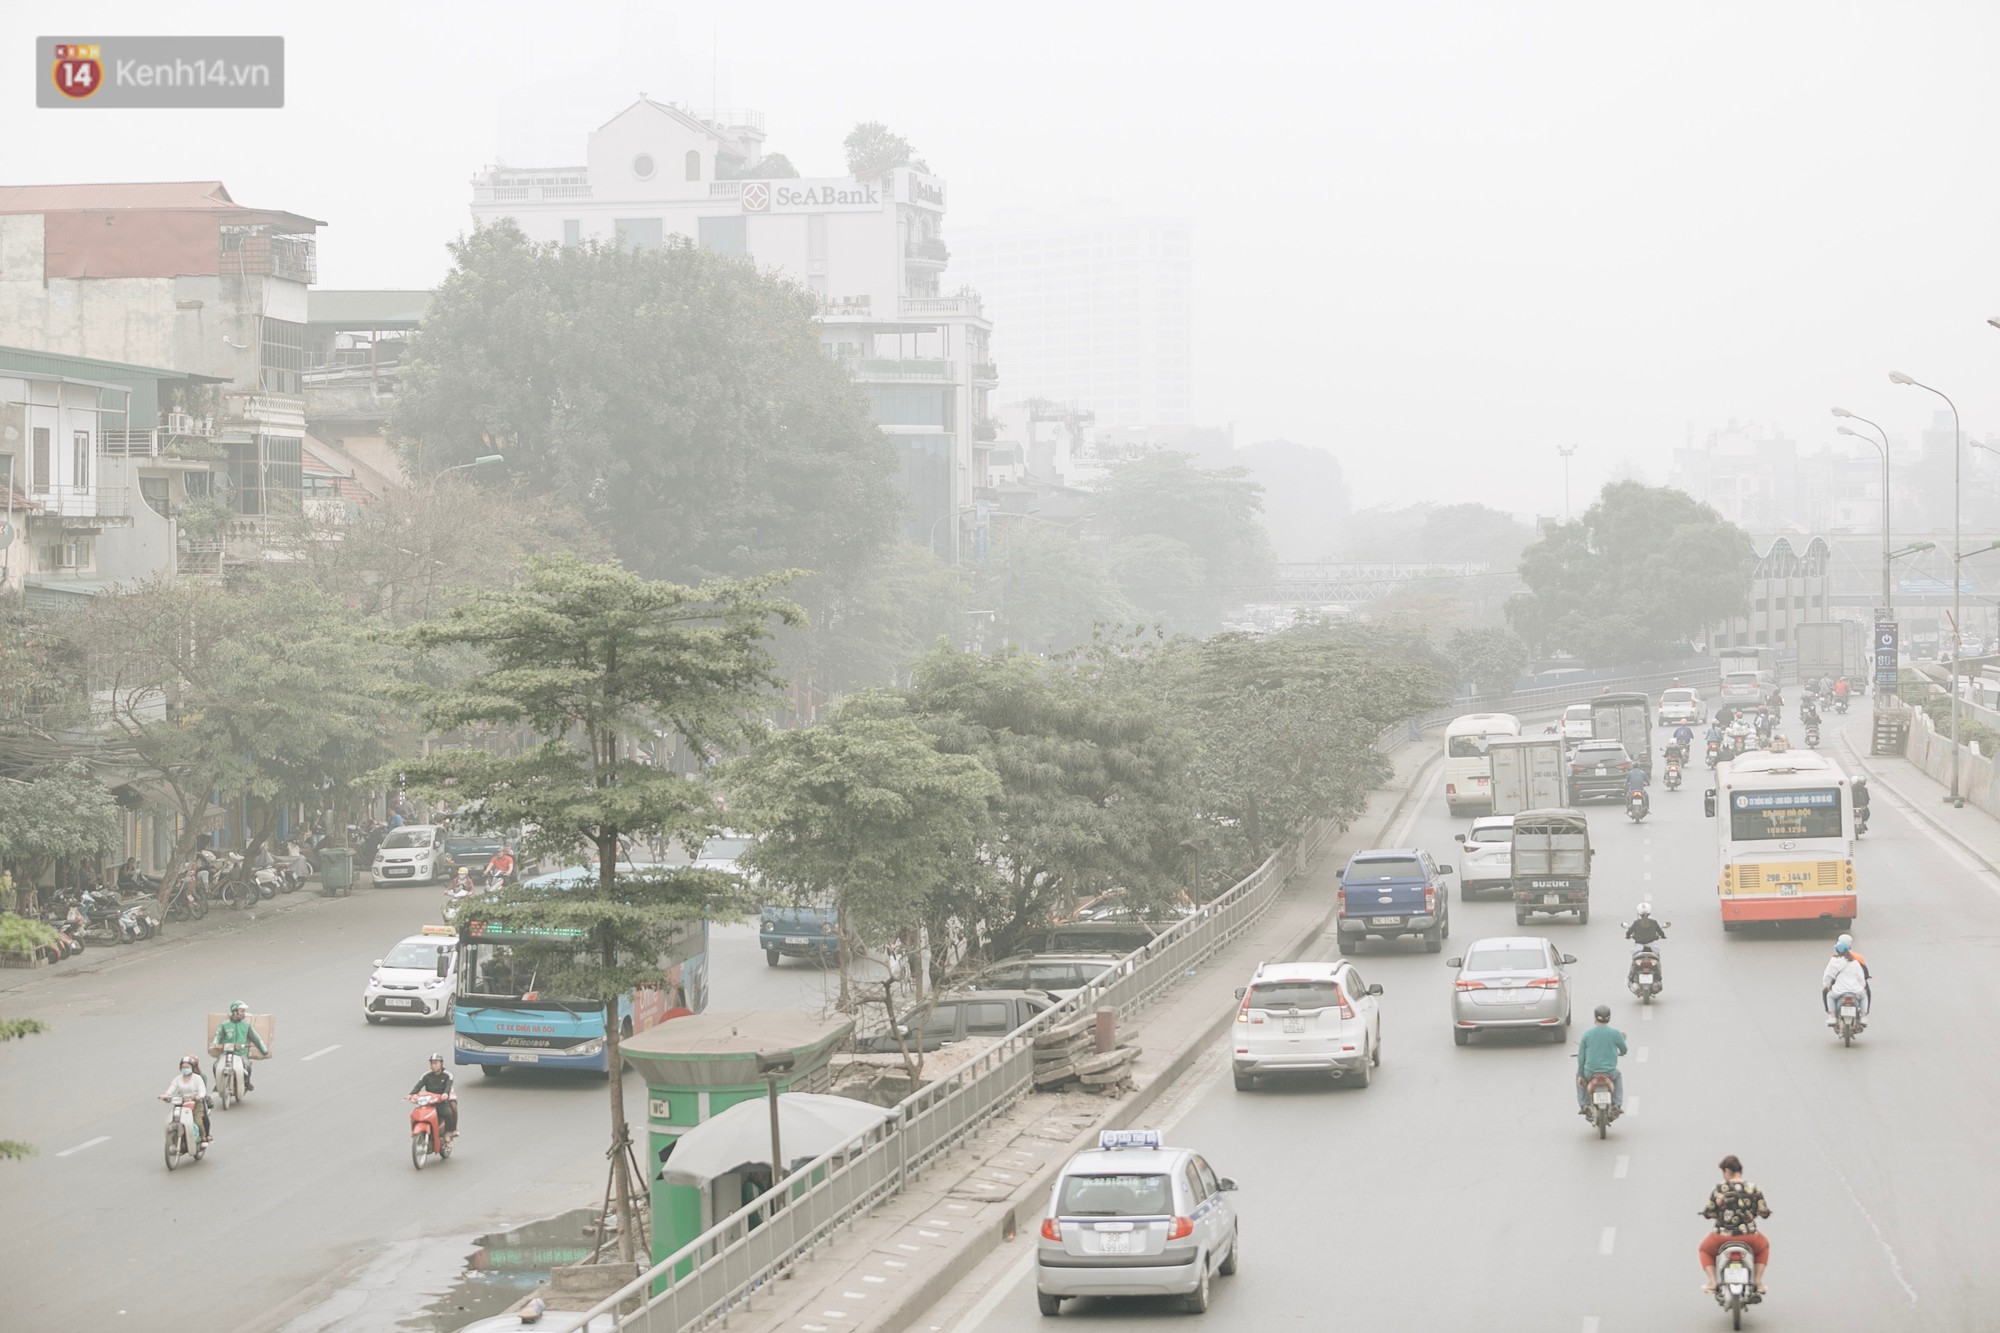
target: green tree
<point>676,397</point>
<point>63,813</point>
<point>1489,659</point>
<point>591,656</point>
<point>770,167</point>
<point>1216,513</point>
<point>866,631</point>
<point>1166,583</point>
<point>865,813</point>
<point>1645,570</point>
<point>1434,534</point>
<point>1050,593</point>
<point>20,935</point>
<point>872,151</point>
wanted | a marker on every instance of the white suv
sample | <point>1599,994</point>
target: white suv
<point>1488,862</point>
<point>1307,1018</point>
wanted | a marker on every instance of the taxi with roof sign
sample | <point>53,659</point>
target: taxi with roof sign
<point>416,979</point>
<point>1134,1217</point>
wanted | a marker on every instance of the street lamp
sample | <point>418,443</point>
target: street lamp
<point>1888,610</point>
<point>1567,451</point>
<point>771,1066</point>
<point>484,460</point>
<point>1957,557</point>
<point>930,541</point>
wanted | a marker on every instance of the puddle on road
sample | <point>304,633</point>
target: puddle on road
<point>503,1267</point>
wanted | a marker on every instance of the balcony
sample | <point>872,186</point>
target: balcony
<point>944,305</point>
<point>725,189</point>
<point>164,447</point>
<point>905,368</point>
<point>520,187</point>
<point>83,508</point>
<point>985,432</point>
<point>261,253</point>
<point>985,372</point>
<point>928,251</point>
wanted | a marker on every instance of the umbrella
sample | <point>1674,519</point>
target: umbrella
<point>809,1124</point>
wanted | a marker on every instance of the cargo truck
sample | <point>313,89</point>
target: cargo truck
<point>1829,648</point>
<point>1528,774</point>
<point>1627,718</point>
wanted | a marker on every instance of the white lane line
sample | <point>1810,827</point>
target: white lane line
<point>324,1050</point>
<point>1621,1166</point>
<point>1645,874</point>
<point>1632,1105</point>
<point>88,1143</point>
<point>1590,1323</point>
<point>1606,1239</point>
<point>1646,1014</point>
<point>1639,1055</point>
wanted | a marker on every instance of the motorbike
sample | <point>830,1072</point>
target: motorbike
<point>231,1078</point>
<point>1597,1103</point>
<point>1840,703</point>
<point>1645,976</point>
<point>1812,736</point>
<point>1809,714</point>
<point>427,1140</point>
<point>1735,1285</point>
<point>456,895</point>
<point>69,935</point>
<point>1848,1022</point>
<point>183,1134</point>
<point>186,902</point>
<point>1673,773</point>
<point>1714,753</point>
<point>1637,806</point>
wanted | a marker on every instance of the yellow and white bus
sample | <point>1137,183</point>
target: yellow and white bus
<point>1785,834</point>
<point>1468,773</point>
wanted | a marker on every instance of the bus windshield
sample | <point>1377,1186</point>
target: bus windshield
<point>1760,816</point>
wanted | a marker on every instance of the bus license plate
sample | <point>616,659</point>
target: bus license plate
<point>524,1057</point>
<point>1789,889</point>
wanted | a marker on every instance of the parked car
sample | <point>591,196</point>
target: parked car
<point>1510,981</point>
<point>1391,892</point>
<point>1489,856</point>
<point>1576,723</point>
<point>1597,771</point>
<point>1134,1217</point>
<point>1060,974</point>
<point>1681,705</point>
<point>790,930</point>
<point>1115,937</point>
<point>411,854</point>
<point>962,1016</point>
<point>1306,1018</point>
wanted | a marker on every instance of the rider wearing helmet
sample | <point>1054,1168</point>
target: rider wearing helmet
<point>1597,1053</point>
<point>236,1030</point>
<point>189,1086</point>
<point>1644,932</point>
<point>1845,975</point>
<point>437,1082</point>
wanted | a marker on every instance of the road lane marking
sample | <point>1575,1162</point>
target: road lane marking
<point>1645,874</point>
<point>1640,1053</point>
<point>1606,1239</point>
<point>324,1050</point>
<point>1621,1166</point>
<point>1632,1106</point>
<point>1590,1323</point>
<point>89,1143</point>
<point>1646,1014</point>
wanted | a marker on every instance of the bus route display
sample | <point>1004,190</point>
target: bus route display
<point>1756,816</point>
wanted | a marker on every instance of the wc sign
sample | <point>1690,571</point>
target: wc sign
<point>1887,641</point>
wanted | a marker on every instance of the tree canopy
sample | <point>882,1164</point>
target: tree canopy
<point>1214,514</point>
<point>1645,570</point>
<point>873,151</point>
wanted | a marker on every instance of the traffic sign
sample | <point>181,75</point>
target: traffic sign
<point>1888,636</point>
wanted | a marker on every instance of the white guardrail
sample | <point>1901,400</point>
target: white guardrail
<point>720,1270</point>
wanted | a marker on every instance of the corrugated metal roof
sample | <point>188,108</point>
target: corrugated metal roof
<point>366,309</point>
<point>29,360</point>
<point>138,194</point>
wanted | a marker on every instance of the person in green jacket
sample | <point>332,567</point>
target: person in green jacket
<point>236,1030</point>
<point>1597,1053</point>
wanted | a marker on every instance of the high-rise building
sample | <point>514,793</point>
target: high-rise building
<point>1088,310</point>
<point>870,250</point>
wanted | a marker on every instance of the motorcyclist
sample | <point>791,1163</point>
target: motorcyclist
<point>1840,688</point>
<point>1715,732</point>
<point>1684,737</point>
<point>1644,932</point>
<point>236,1030</point>
<point>1858,793</point>
<point>1636,780</point>
<point>1734,1207</point>
<point>132,881</point>
<point>501,867</point>
<point>1597,1052</point>
<point>1868,987</point>
<point>1808,712</point>
<point>206,862</point>
<point>189,1085</point>
<point>438,1082</point>
<point>1844,975</point>
<point>1762,722</point>
<point>1825,686</point>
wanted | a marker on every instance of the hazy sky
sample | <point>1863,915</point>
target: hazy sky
<point>1438,239</point>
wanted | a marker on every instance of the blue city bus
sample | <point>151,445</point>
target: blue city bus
<point>502,1017</point>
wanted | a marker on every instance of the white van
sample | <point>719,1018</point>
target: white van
<point>1468,777</point>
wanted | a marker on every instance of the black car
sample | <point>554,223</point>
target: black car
<point>1597,771</point>
<point>473,851</point>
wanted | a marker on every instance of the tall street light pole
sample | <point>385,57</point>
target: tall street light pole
<point>1957,559</point>
<point>1888,607</point>
<point>484,460</point>
<point>1567,451</point>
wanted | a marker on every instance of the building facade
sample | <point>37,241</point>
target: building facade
<point>1091,311</point>
<point>871,251</point>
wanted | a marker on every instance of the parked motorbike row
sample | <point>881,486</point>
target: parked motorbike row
<point>102,915</point>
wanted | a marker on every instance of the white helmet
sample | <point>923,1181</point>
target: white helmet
<point>1645,909</point>
<point>1848,940</point>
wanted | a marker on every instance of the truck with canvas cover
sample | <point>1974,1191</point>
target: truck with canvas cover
<point>1627,718</point>
<point>1551,864</point>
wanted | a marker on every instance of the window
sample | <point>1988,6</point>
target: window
<point>1507,958</point>
<point>1191,1186</point>
<point>65,555</point>
<point>988,1018</point>
<point>693,164</point>
<point>1202,1171</point>
<point>897,405</point>
<point>572,231</point>
<point>639,233</point>
<point>79,459</point>
<point>1385,868</point>
<point>41,464</point>
<point>1115,1196</point>
<point>724,235</point>
<point>264,468</point>
<point>282,357</point>
<point>642,166</point>
<point>1294,995</point>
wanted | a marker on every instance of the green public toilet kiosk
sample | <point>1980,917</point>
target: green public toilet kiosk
<point>702,1064</point>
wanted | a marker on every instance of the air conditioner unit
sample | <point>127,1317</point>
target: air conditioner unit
<point>179,423</point>
<point>204,427</point>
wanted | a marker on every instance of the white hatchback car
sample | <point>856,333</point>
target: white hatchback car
<point>1307,1018</point>
<point>1681,705</point>
<point>415,979</point>
<point>1135,1218</point>
<point>1488,862</point>
<point>1576,724</point>
<point>412,854</point>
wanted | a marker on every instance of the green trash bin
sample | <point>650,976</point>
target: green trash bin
<point>336,870</point>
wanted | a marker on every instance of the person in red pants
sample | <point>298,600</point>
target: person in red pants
<point>1735,1206</point>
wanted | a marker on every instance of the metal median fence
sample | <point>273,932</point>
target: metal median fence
<point>723,1268</point>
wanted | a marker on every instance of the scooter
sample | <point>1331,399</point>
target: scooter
<point>1812,736</point>
<point>1714,753</point>
<point>427,1140</point>
<point>1597,1103</point>
<point>1645,979</point>
<point>1848,1022</point>
<point>1637,806</point>
<point>137,923</point>
<point>186,902</point>
<point>231,1079</point>
<point>1673,773</point>
<point>1840,703</point>
<point>1735,1285</point>
<point>183,1134</point>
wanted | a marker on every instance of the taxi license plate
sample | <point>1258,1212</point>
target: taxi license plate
<point>1386,921</point>
<point>1295,1025</point>
<point>1114,1242</point>
<point>399,1004</point>
<point>524,1057</point>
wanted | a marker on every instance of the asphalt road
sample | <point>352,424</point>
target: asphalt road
<point>308,1202</point>
<point>1463,1191</point>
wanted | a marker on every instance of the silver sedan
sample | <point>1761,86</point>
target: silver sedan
<point>1510,981</point>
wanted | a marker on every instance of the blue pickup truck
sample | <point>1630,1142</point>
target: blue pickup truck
<point>789,931</point>
<point>1390,892</point>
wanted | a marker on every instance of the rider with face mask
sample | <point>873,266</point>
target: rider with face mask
<point>188,1085</point>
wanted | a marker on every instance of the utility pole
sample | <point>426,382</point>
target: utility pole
<point>1567,451</point>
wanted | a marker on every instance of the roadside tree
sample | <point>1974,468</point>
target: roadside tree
<point>591,657</point>
<point>1215,513</point>
<point>20,935</point>
<point>59,814</point>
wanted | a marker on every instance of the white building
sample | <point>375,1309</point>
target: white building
<point>871,251</point>
<point>1093,311</point>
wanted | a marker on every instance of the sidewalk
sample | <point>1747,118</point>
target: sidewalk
<point>1969,828</point>
<point>898,1261</point>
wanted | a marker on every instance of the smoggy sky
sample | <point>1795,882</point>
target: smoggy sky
<point>1438,239</point>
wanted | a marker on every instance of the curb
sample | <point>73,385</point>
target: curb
<point>1121,1115</point>
<point>1917,806</point>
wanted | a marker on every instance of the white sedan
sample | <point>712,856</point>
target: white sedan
<point>1488,862</point>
